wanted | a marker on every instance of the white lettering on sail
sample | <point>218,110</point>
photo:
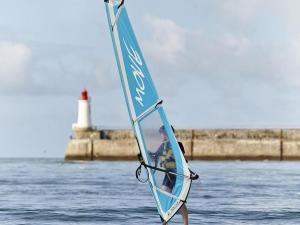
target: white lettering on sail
<point>137,73</point>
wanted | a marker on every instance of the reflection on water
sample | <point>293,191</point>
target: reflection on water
<point>53,192</point>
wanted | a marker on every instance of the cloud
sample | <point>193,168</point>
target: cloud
<point>264,51</point>
<point>49,69</point>
<point>14,62</point>
<point>183,57</point>
<point>167,41</point>
<point>197,52</point>
<point>230,76</point>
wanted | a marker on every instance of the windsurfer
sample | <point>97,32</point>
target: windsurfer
<point>140,94</point>
<point>168,162</point>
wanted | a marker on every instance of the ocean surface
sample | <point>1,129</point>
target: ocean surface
<point>51,191</point>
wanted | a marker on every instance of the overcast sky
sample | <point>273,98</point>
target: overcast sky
<point>216,64</point>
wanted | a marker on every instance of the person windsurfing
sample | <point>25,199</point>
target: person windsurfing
<point>167,161</point>
<point>143,102</point>
<point>165,155</point>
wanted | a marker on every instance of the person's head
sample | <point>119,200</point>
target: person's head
<point>162,131</point>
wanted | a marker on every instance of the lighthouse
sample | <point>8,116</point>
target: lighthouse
<point>84,121</point>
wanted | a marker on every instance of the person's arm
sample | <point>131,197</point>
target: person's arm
<point>155,156</point>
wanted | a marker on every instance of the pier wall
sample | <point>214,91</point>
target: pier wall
<point>200,144</point>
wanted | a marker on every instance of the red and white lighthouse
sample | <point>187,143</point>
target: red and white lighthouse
<point>84,112</point>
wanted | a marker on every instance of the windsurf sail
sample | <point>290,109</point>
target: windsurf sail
<point>169,177</point>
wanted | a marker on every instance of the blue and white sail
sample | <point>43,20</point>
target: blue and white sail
<point>169,176</point>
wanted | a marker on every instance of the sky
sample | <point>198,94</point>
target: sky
<point>216,64</point>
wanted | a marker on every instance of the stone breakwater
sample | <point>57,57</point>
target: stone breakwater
<point>200,144</point>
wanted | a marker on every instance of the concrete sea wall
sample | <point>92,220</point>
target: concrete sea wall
<point>200,144</point>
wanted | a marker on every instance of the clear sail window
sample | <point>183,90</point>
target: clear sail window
<point>159,151</point>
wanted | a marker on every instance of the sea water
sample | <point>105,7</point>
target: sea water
<point>54,192</point>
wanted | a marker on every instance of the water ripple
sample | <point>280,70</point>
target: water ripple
<point>51,192</point>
